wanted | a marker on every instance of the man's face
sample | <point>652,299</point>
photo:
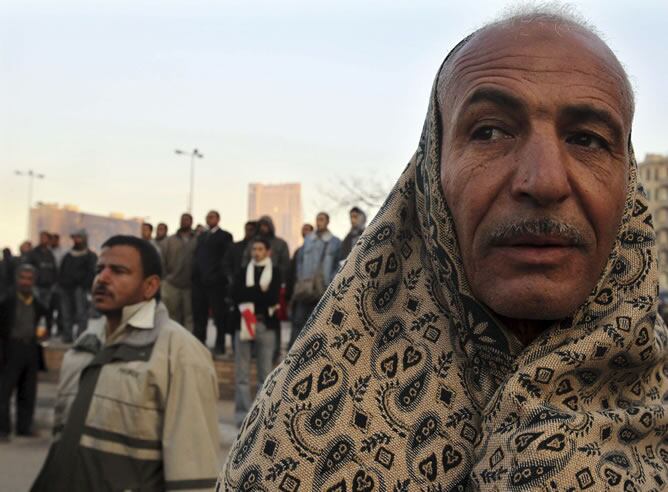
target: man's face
<point>25,247</point>
<point>25,282</point>
<point>55,240</point>
<point>212,219</point>
<point>44,239</point>
<point>356,219</point>
<point>321,222</point>
<point>259,251</point>
<point>77,240</point>
<point>306,230</point>
<point>161,231</point>
<point>186,221</point>
<point>119,280</point>
<point>249,231</point>
<point>534,166</point>
<point>146,231</point>
<point>264,229</point>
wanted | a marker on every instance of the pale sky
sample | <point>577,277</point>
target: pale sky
<point>97,95</point>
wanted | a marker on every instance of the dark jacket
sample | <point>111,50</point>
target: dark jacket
<point>233,261</point>
<point>77,270</point>
<point>7,314</point>
<point>47,269</point>
<point>349,242</point>
<point>262,301</point>
<point>208,259</point>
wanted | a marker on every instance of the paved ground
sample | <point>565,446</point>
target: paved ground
<point>22,458</point>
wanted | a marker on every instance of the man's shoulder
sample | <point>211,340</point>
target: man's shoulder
<point>183,345</point>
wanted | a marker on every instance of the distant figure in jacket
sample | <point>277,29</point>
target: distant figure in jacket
<point>76,277</point>
<point>357,226</point>
<point>44,261</point>
<point>257,284</point>
<point>209,282</point>
<point>318,257</point>
<point>20,312</point>
<point>177,259</point>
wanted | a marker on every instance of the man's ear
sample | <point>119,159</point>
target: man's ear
<point>151,286</point>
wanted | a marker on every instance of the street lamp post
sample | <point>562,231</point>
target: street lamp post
<point>195,153</point>
<point>31,178</point>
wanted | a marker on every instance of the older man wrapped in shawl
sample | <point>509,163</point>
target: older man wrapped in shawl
<point>496,327</point>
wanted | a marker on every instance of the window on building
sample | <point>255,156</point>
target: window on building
<point>662,193</point>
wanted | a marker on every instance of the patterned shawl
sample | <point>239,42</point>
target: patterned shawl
<point>403,381</point>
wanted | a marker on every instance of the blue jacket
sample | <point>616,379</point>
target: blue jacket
<point>308,260</point>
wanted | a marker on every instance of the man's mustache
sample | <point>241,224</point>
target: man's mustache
<point>101,289</point>
<point>536,227</point>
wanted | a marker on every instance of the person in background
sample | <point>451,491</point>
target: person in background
<point>234,257</point>
<point>56,297</point>
<point>24,252</point>
<point>280,256</point>
<point>20,312</point>
<point>357,225</point>
<point>136,402</point>
<point>44,261</point>
<point>292,277</point>
<point>232,264</point>
<point>161,235</point>
<point>209,282</point>
<point>199,229</point>
<point>258,284</point>
<point>56,249</point>
<point>280,253</point>
<point>177,259</point>
<point>147,235</point>
<point>147,231</point>
<point>316,266</point>
<point>74,281</point>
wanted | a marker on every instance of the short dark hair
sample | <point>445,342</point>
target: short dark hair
<point>148,224</point>
<point>150,259</point>
<point>25,268</point>
<point>215,212</point>
<point>325,214</point>
<point>162,224</point>
<point>357,210</point>
<point>265,241</point>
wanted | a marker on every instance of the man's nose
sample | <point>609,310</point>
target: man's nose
<point>103,275</point>
<point>541,175</point>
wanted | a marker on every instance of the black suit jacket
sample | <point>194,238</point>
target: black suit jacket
<point>208,261</point>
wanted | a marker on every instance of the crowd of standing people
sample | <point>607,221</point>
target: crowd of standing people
<point>247,288</point>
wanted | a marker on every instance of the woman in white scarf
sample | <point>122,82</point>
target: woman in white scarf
<point>257,294</point>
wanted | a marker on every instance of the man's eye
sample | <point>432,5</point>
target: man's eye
<point>488,133</point>
<point>587,140</point>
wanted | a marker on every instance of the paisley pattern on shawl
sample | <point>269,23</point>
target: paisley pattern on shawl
<point>403,381</point>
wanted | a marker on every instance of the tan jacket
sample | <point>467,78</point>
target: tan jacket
<point>178,253</point>
<point>137,411</point>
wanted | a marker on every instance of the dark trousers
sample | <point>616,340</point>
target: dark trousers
<point>20,373</point>
<point>204,299</point>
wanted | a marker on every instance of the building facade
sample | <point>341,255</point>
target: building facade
<point>283,203</point>
<point>653,173</point>
<point>67,219</point>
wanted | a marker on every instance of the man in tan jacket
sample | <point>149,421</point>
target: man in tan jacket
<point>136,404</point>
